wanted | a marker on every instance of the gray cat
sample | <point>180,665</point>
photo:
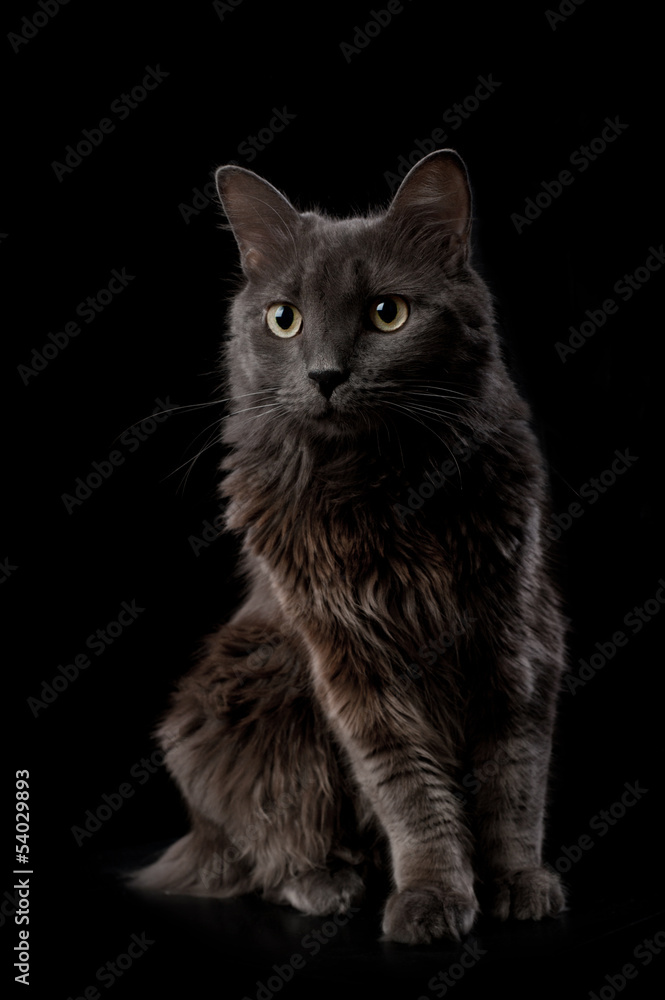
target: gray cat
<point>400,644</point>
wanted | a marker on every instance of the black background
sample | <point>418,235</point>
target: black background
<point>123,206</point>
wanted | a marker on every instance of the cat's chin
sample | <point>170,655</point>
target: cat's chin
<point>333,426</point>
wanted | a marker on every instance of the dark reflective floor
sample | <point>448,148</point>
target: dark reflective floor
<point>246,948</point>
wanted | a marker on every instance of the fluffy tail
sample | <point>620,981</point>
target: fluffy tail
<point>194,866</point>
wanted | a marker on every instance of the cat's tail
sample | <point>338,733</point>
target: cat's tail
<point>194,866</point>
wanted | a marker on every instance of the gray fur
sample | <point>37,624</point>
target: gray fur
<point>328,752</point>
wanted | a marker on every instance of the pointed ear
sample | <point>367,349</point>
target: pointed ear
<point>262,219</point>
<point>436,194</point>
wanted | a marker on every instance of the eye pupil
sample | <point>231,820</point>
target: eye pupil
<point>284,317</point>
<point>387,310</point>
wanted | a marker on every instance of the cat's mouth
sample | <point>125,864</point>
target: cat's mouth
<point>328,416</point>
<point>332,417</point>
<point>327,410</point>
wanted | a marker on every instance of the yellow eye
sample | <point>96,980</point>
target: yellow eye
<point>389,313</point>
<point>284,320</point>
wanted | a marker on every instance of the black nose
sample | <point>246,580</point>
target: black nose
<point>328,378</point>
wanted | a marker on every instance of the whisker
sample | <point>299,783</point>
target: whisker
<point>196,406</point>
<point>192,461</point>
<point>433,410</point>
<point>402,408</point>
<point>215,423</point>
<point>399,440</point>
<point>234,413</point>
<point>414,416</point>
<point>427,382</point>
<point>213,438</point>
<point>216,439</point>
<point>446,394</point>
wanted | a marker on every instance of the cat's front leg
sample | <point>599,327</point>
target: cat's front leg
<point>406,770</point>
<point>511,777</point>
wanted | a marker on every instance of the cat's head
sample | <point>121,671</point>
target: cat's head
<point>345,325</point>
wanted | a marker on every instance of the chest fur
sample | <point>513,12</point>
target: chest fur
<point>346,561</point>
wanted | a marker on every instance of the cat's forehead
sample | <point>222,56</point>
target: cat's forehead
<point>339,251</point>
<point>326,237</point>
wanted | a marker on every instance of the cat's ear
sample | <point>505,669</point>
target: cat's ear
<point>436,193</point>
<point>262,220</point>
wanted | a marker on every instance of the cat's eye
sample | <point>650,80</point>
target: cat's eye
<point>284,320</point>
<point>388,313</point>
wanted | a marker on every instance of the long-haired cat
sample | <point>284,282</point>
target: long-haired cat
<point>392,674</point>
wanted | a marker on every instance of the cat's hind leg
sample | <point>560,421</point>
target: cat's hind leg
<point>253,757</point>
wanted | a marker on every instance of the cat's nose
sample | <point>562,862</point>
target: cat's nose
<point>328,378</point>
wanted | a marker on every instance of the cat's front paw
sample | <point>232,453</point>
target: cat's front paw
<point>423,913</point>
<point>529,894</point>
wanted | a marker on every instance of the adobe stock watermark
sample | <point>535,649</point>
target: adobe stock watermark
<point>210,532</point>
<point>437,478</point>
<point>601,824</point>
<point>109,973</point>
<point>245,668</point>
<point>625,287</point>
<point>9,906</point>
<point>206,195</point>
<point>644,952</point>
<point>88,310</point>
<point>363,35</point>
<point>635,620</point>
<point>219,864</point>
<point>590,491</point>
<point>559,16</point>
<point>224,7</point>
<point>581,159</point>
<point>97,642</point>
<point>470,954</point>
<point>430,652</point>
<point>121,107</point>
<point>484,771</point>
<point>30,26</point>
<point>110,804</point>
<point>312,942</point>
<point>202,197</point>
<point>6,570</point>
<point>455,117</point>
<point>253,144</point>
<point>131,439</point>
